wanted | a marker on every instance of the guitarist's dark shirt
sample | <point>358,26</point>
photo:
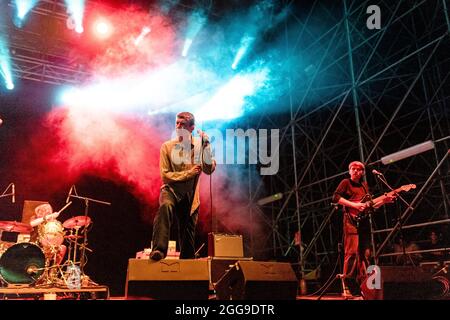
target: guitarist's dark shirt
<point>352,191</point>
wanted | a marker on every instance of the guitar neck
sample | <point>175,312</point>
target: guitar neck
<point>378,201</point>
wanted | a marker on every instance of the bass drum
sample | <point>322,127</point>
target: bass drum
<point>22,263</point>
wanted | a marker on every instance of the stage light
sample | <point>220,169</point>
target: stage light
<point>70,23</point>
<point>75,9</point>
<point>409,152</point>
<point>79,29</point>
<point>270,199</point>
<point>238,57</point>
<point>186,47</point>
<point>195,23</point>
<point>230,100</point>
<point>68,95</point>
<point>9,85</point>
<point>246,42</point>
<point>141,36</point>
<point>5,65</point>
<point>24,6</point>
<point>102,28</point>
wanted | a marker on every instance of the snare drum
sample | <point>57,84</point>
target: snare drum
<point>51,234</point>
<point>22,263</point>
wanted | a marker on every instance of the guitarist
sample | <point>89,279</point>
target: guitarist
<point>349,193</point>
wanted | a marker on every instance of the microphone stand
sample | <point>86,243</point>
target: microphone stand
<point>383,179</point>
<point>86,210</point>
<point>205,143</point>
<point>339,275</point>
<point>400,224</point>
<point>12,193</point>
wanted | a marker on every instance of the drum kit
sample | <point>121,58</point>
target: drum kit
<point>37,260</point>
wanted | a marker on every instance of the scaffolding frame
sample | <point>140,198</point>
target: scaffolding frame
<point>392,93</point>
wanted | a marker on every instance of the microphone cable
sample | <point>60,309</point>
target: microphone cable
<point>210,183</point>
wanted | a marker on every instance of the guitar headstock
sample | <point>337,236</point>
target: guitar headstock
<point>407,187</point>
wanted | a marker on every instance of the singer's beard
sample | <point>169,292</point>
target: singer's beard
<point>183,135</point>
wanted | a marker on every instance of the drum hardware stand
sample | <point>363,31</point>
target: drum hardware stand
<point>76,243</point>
<point>70,244</point>
<point>51,271</point>
<point>50,276</point>
<point>83,247</point>
<point>71,261</point>
<point>72,258</point>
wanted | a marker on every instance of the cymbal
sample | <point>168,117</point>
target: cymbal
<point>14,226</point>
<point>78,221</point>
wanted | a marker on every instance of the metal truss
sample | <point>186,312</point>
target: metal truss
<point>41,49</point>
<point>371,93</point>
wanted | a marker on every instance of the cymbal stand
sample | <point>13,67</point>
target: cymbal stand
<point>75,244</point>
<point>69,250</point>
<point>70,276</point>
<point>50,276</point>
<point>83,247</point>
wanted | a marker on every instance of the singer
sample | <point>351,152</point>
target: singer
<point>182,160</point>
<point>349,193</point>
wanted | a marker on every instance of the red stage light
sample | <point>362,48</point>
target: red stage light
<point>102,28</point>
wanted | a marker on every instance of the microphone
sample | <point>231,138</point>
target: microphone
<point>377,173</point>
<point>70,193</point>
<point>13,193</point>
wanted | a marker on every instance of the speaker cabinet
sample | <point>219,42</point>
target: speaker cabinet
<point>219,266</point>
<point>401,283</point>
<point>225,245</point>
<point>167,279</point>
<point>255,280</point>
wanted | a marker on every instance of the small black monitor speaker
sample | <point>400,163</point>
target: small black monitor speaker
<point>257,280</point>
<point>402,283</point>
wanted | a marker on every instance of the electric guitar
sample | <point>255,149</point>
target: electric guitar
<point>356,216</point>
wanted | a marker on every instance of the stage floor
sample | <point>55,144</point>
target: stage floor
<point>54,293</point>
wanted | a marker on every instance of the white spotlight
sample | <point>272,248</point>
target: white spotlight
<point>270,199</point>
<point>409,152</point>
